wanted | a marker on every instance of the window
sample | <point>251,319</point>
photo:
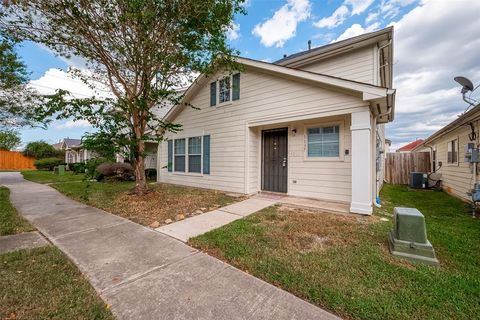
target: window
<point>179,161</point>
<point>189,153</point>
<point>225,90</point>
<point>452,156</point>
<point>323,141</point>
<point>70,157</point>
<point>80,156</point>
<point>195,154</point>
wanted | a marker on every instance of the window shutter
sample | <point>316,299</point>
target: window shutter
<point>213,94</point>
<point>206,154</point>
<point>236,87</point>
<point>170,155</point>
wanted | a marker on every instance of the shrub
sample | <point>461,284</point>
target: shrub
<point>151,174</point>
<point>121,171</point>
<point>92,164</point>
<point>48,163</point>
<point>41,150</point>
<point>78,168</point>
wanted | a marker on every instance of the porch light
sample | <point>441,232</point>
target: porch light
<point>294,131</point>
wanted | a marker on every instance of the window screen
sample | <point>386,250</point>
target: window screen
<point>179,162</point>
<point>323,141</point>
<point>195,154</point>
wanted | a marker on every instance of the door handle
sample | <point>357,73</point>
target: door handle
<point>284,163</point>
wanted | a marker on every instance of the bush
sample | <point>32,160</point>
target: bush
<point>151,174</point>
<point>48,163</point>
<point>78,167</point>
<point>41,150</point>
<point>92,164</point>
<point>121,171</point>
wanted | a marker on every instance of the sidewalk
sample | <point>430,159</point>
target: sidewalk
<point>144,274</point>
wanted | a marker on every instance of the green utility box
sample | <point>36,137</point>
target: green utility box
<point>60,170</point>
<point>408,239</point>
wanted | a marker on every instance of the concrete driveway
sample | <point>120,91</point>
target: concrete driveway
<point>144,274</point>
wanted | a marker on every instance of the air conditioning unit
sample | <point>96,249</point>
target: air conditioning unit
<point>418,180</point>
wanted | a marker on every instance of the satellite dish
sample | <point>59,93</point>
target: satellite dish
<point>465,83</point>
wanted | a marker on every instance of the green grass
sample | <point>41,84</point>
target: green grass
<point>10,221</point>
<point>43,284</point>
<point>342,263</point>
<point>41,176</point>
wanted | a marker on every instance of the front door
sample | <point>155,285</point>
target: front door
<point>274,160</point>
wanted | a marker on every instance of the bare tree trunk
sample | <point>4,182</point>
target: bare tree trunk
<point>140,179</point>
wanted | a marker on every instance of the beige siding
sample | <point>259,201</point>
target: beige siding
<point>457,179</point>
<point>357,65</point>
<point>236,127</point>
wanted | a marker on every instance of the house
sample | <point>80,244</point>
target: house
<point>310,125</point>
<point>409,147</point>
<point>388,144</point>
<point>449,153</point>
<point>74,152</point>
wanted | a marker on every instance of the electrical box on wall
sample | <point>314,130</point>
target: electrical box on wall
<point>471,153</point>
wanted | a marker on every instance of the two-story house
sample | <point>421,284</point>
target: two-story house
<point>310,125</point>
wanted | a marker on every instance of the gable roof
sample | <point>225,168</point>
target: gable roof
<point>412,145</point>
<point>71,143</point>
<point>339,46</point>
<point>380,97</point>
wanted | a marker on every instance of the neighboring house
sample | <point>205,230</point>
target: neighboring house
<point>448,148</point>
<point>409,147</point>
<point>74,152</point>
<point>388,144</point>
<point>308,125</point>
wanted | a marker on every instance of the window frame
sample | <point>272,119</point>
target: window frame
<point>187,154</point>
<point>341,133</point>
<point>217,90</point>
<point>454,150</point>
<point>174,169</point>
<point>195,154</point>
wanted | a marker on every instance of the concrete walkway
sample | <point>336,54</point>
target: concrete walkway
<point>144,274</point>
<point>197,225</point>
<point>26,240</point>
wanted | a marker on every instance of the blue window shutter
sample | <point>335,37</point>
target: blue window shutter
<point>213,94</point>
<point>206,154</point>
<point>170,155</point>
<point>236,87</point>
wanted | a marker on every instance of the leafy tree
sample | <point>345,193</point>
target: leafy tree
<point>40,150</point>
<point>141,50</point>
<point>9,140</point>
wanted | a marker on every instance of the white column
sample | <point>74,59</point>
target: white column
<point>361,163</point>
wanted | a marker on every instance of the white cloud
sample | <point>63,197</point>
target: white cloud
<point>343,12</point>
<point>233,32</point>
<point>336,19</point>
<point>73,124</point>
<point>54,79</point>
<point>434,42</point>
<point>282,26</point>
<point>372,16</point>
<point>358,6</point>
<point>356,30</point>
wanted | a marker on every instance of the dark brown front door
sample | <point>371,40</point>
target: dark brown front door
<point>274,160</point>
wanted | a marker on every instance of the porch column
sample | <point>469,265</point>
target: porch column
<point>361,163</point>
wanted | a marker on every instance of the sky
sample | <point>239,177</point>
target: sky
<point>434,41</point>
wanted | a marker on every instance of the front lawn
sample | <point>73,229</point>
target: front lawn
<point>41,176</point>
<point>342,263</point>
<point>43,284</point>
<point>10,221</point>
<point>164,202</point>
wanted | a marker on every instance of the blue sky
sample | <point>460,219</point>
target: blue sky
<point>434,41</point>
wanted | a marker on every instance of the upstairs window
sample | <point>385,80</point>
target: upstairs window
<point>225,90</point>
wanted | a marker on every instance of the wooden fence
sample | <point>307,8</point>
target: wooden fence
<point>399,165</point>
<point>11,160</point>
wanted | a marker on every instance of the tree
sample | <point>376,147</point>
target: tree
<point>9,140</point>
<point>19,104</point>
<point>141,50</point>
<point>40,150</point>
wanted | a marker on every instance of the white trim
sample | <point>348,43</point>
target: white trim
<point>186,155</point>
<point>341,137</point>
<point>456,163</point>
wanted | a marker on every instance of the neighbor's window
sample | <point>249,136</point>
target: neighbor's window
<point>224,90</point>
<point>323,141</point>
<point>179,152</point>
<point>195,154</point>
<point>452,151</point>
